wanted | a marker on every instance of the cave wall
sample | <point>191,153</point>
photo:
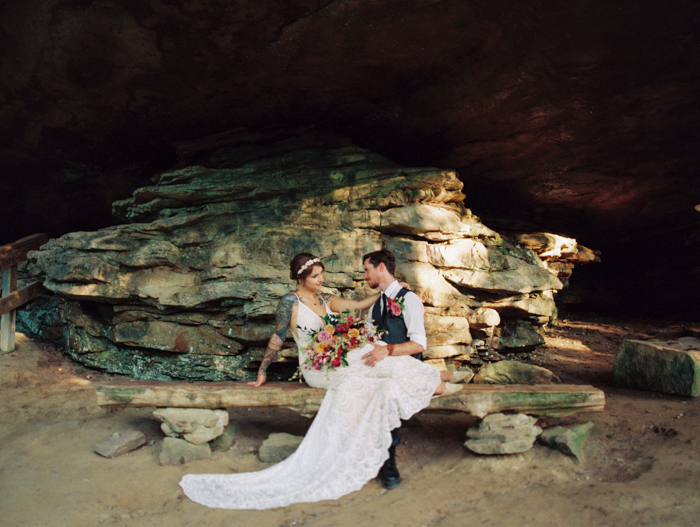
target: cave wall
<point>578,117</point>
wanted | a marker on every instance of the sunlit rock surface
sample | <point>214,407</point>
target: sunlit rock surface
<point>188,288</point>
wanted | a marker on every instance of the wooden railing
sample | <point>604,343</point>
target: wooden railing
<point>10,297</point>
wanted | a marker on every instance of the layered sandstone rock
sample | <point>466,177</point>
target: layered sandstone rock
<point>559,253</point>
<point>188,288</point>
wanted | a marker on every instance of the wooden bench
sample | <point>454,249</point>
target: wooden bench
<point>475,399</point>
<point>11,298</point>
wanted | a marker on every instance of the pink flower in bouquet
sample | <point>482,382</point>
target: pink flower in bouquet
<point>323,336</point>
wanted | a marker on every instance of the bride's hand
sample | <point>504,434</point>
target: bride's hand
<point>262,377</point>
<point>407,286</point>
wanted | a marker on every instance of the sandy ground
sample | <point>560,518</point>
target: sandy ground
<point>642,470</point>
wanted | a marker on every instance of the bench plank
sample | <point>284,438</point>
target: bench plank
<point>475,399</point>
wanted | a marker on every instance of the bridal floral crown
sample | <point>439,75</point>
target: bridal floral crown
<point>308,264</point>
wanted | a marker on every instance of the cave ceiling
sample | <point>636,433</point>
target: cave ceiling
<point>578,116</point>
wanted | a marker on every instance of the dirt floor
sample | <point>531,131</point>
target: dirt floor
<point>642,470</point>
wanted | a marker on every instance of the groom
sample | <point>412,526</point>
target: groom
<point>399,313</point>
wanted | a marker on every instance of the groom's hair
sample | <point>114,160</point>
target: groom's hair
<point>384,256</point>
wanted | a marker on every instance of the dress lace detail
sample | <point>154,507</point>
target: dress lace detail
<point>347,442</point>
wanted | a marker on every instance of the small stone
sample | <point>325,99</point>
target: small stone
<point>484,318</point>
<point>278,447</point>
<point>452,351</point>
<point>465,373</point>
<point>569,441</point>
<point>198,426</point>
<point>178,452</point>
<point>519,335</point>
<point>504,421</point>
<point>503,434</point>
<point>120,443</point>
<point>668,366</point>
<point>492,356</point>
<point>514,372</point>
<point>225,440</point>
<point>494,445</point>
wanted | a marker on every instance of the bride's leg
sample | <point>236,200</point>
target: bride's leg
<point>446,378</point>
<point>450,379</point>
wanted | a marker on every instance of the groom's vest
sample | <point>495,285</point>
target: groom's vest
<point>394,327</point>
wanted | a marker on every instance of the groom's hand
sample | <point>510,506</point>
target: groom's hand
<point>377,354</point>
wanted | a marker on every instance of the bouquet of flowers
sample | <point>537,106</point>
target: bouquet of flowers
<point>328,347</point>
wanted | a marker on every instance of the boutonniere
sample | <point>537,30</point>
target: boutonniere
<point>395,307</point>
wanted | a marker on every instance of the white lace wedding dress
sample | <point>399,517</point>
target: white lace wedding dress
<point>347,442</point>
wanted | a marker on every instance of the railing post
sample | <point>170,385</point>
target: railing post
<point>7,321</point>
<point>12,255</point>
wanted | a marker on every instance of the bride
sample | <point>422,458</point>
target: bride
<point>349,438</point>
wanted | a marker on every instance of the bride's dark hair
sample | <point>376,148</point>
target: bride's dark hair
<point>299,262</point>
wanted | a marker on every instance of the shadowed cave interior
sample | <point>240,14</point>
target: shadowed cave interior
<point>579,119</point>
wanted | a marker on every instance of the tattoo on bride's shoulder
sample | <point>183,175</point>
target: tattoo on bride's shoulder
<point>286,304</point>
<point>284,314</point>
<point>326,297</point>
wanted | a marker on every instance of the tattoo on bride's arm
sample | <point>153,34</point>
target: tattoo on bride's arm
<point>283,318</point>
<point>273,348</point>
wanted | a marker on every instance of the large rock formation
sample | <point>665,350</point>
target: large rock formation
<point>189,287</point>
